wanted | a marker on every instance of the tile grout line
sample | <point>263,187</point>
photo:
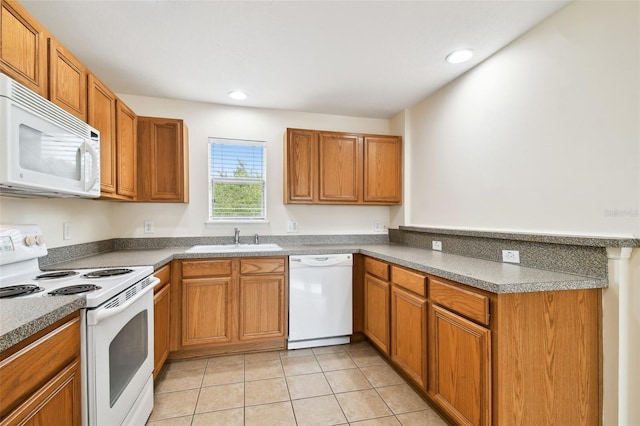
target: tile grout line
<point>317,358</point>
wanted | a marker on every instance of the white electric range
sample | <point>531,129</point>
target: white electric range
<point>116,324</point>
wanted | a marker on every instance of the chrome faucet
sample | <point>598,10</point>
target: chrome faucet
<point>236,238</point>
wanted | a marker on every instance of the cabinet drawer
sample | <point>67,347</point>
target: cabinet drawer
<point>24,372</point>
<point>466,303</point>
<point>206,268</point>
<point>164,275</point>
<point>262,266</point>
<point>412,281</point>
<point>376,268</point>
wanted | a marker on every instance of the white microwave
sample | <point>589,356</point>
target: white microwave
<point>44,150</point>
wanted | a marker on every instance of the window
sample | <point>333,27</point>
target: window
<point>237,177</point>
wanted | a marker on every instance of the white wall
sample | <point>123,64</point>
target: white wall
<point>93,220</point>
<point>541,137</point>
<point>207,120</point>
<point>544,137</point>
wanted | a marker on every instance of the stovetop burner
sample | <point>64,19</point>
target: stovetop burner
<point>57,274</point>
<point>102,273</point>
<point>19,290</point>
<point>74,289</point>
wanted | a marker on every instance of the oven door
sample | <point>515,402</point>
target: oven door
<point>119,359</point>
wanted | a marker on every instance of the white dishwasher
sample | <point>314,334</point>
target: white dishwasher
<point>320,300</point>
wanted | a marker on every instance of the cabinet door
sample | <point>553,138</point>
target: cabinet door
<point>460,367</point>
<point>161,307</point>
<point>409,334</point>
<point>57,399</point>
<point>126,150</point>
<point>101,112</point>
<point>300,166</point>
<point>163,158</point>
<point>340,163</point>
<point>262,308</point>
<point>376,311</point>
<point>23,47</point>
<point>382,169</point>
<point>67,80</point>
<point>206,311</point>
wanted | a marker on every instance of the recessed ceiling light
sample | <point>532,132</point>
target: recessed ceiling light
<point>237,95</point>
<point>459,56</point>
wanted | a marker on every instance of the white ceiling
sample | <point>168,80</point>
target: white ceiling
<point>356,58</point>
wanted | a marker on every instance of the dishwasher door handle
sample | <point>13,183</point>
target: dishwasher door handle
<point>321,261</point>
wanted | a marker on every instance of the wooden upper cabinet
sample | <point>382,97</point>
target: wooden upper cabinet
<point>339,162</point>
<point>382,169</point>
<point>126,150</point>
<point>101,114</point>
<point>323,167</point>
<point>23,47</point>
<point>67,80</point>
<point>300,166</point>
<point>163,160</point>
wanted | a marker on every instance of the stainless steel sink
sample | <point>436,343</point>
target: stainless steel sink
<point>230,248</point>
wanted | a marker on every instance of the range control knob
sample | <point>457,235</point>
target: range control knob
<point>29,240</point>
<point>40,239</point>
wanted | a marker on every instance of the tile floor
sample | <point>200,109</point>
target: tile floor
<point>334,385</point>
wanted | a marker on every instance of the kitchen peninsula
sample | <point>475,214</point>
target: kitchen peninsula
<point>507,318</point>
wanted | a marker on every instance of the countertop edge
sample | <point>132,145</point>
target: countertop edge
<point>33,326</point>
<point>401,255</point>
<point>574,283</point>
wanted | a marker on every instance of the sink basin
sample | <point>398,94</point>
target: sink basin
<point>231,248</point>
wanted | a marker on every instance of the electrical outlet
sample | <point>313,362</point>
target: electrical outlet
<point>66,230</point>
<point>436,245</point>
<point>149,227</point>
<point>292,226</point>
<point>378,226</point>
<point>511,256</point>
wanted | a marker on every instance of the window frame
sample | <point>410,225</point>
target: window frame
<point>211,180</point>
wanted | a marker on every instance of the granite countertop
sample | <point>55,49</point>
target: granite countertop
<point>20,318</point>
<point>495,277</point>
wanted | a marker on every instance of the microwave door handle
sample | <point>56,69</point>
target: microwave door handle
<point>94,170</point>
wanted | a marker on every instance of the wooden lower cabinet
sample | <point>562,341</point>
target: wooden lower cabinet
<point>206,310</point>
<point>491,359</point>
<point>161,319</point>
<point>376,311</point>
<point>547,354</point>
<point>230,305</point>
<point>460,367</point>
<point>40,377</point>
<point>409,334</point>
<point>262,307</point>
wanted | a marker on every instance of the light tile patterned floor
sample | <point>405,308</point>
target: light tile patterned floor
<point>334,385</point>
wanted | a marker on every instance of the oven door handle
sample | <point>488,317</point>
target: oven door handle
<point>95,316</point>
